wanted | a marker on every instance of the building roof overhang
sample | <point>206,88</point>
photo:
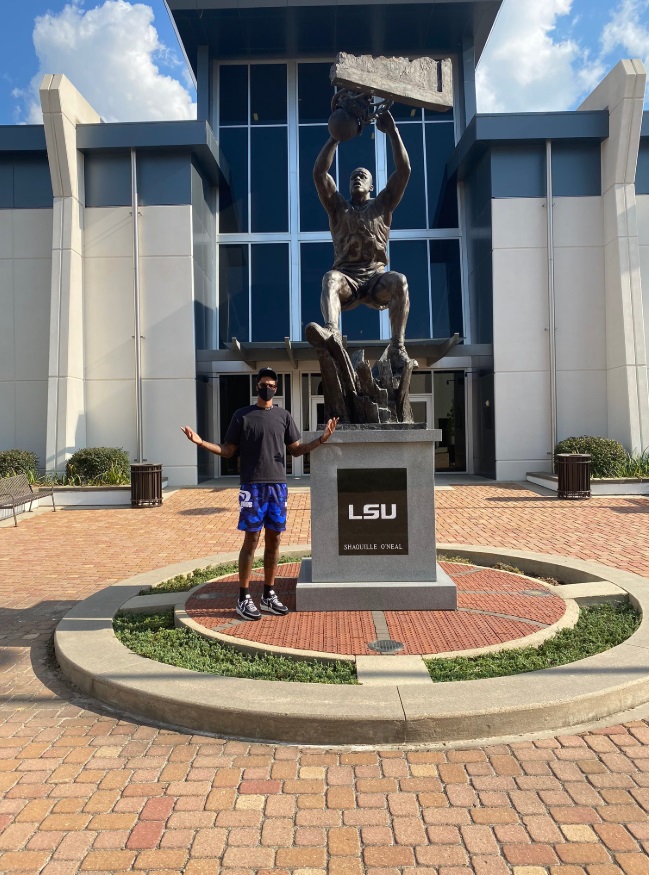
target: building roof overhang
<point>22,138</point>
<point>301,28</point>
<point>195,137</point>
<point>290,354</point>
<point>525,127</point>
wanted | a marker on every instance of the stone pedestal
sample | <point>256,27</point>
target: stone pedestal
<point>373,524</point>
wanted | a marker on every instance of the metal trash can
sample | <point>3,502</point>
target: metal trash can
<point>146,484</point>
<point>574,475</point>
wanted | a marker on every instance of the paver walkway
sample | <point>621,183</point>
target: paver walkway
<point>82,790</point>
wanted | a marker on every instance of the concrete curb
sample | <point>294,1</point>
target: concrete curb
<point>93,659</point>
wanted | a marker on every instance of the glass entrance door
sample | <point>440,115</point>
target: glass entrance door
<point>317,416</point>
<point>422,410</point>
<point>449,414</point>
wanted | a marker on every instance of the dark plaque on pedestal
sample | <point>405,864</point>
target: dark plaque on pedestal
<point>372,511</point>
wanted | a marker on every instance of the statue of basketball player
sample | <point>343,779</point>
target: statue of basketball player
<point>360,229</point>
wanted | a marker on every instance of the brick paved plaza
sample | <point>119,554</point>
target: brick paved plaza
<point>82,790</point>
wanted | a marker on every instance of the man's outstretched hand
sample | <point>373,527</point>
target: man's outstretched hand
<point>329,429</point>
<point>193,437</point>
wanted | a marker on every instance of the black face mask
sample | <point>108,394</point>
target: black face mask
<point>266,393</point>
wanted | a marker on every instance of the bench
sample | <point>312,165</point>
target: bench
<point>16,491</point>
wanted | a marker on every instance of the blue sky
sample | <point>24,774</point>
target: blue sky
<point>542,55</point>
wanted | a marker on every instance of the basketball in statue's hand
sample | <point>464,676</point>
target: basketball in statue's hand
<point>342,125</point>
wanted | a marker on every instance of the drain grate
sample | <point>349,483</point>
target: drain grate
<point>386,646</point>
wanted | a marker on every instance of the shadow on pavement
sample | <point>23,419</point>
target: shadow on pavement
<point>204,511</point>
<point>634,505</point>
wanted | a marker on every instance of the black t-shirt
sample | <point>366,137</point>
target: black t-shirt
<point>261,435</point>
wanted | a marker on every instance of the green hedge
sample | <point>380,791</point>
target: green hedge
<point>608,457</point>
<point>18,462</point>
<point>107,465</point>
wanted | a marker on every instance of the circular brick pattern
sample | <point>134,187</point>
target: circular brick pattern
<point>494,608</point>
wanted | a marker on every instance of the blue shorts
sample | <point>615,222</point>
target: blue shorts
<point>262,504</point>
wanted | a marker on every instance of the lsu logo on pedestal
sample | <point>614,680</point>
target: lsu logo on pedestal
<point>372,511</point>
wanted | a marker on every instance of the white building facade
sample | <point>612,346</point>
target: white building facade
<point>527,235</point>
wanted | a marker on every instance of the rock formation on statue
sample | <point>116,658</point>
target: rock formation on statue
<point>422,82</point>
<point>353,390</point>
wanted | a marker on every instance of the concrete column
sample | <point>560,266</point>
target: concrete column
<point>466,64</point>
<point>203,83</point>
<point>622,94</point>
<point>63,109</point>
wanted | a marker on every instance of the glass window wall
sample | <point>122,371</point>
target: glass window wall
<point>271,127</point>
<point>315,261</point>
<point>446,287</point>
<point>268,94</point>
<point>234,293</point>
<point>410,257</point>
<point>411,212</point>
<point>234,196</point>
<point>233,94</point>
<point>442,195</point>
<point>253,136</point>
<point>268,180</point>
<point>269,284</point>
<point>314,93</point>
<point>312,214</point>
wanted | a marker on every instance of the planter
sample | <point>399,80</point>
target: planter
<point>604,486</point>
<point>85,496</point>
<point>92,496</point>
<point>95,496</point>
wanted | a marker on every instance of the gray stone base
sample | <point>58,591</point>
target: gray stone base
<point>437,595</point>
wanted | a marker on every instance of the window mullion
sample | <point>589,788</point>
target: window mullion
<point>381,180</point>
<point>293,201</point>
<point>249,159</point>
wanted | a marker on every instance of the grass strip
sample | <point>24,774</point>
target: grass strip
<point>448,557</point>
<point>154,637</point>
<point>183,582</point>
<point>599,628</point>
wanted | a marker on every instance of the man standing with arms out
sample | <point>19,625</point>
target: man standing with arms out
<point>360,228</point>
<point>260,432</point>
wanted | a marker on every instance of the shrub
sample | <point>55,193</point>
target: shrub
<point>636,466</point>
<point>95,465</point>
<point>607,456</point>
<point>18,462</point>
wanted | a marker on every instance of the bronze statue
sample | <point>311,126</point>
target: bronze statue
<point>360,229</point>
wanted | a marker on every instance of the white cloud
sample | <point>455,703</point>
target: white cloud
<point>628,31</point>
<point>524,69</point>
<point>111,54</point>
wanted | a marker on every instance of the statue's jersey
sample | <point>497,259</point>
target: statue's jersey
<point>360,235</point>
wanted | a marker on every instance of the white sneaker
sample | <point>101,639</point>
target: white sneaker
<point>247,609</point>
<point>272,604</point>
